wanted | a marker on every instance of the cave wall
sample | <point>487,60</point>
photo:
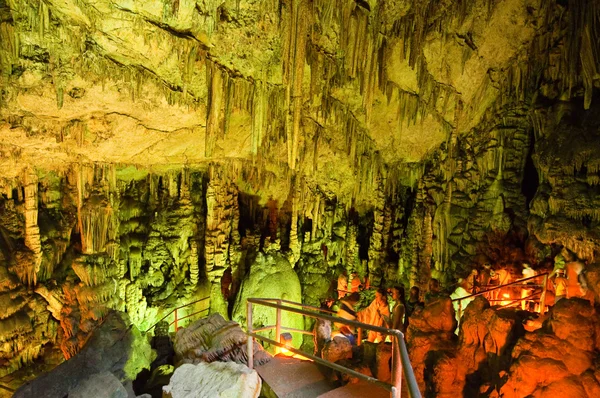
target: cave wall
<point>147,146</point>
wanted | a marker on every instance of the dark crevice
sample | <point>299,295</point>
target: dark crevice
<point>531,179</point>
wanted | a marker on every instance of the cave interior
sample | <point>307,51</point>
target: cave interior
<point>155,153</point>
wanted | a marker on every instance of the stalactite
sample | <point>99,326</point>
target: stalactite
<point>97,225</point>
<point>215,101</point>
<point>32,230</point>
<point>194,270</point>
<point>259,118</point>
<point>301,22</point>
<point>351,257</point>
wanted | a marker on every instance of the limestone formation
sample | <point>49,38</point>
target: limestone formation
<point>215,339</point>
<point>271,276</point>
<point>150,148</point>
<point>430,330</point>
<point>216,379</point>
<point>115,348</point>
<point>559,357</point>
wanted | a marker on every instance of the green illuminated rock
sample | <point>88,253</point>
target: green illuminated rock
<point>271,276</point>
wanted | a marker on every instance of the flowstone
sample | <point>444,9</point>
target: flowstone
<point>271,276</point>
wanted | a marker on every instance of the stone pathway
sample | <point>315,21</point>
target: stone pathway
<point>294,378</point>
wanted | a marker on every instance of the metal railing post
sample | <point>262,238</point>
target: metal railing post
<point>401,366</point>
<point>396,368</point>
<point>360,337</point>
<point>278,325</point>
<point>543,296</point>
<point>176,320</point>
<point>250,341</point>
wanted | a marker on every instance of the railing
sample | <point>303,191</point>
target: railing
<point>400,360</point>
<point>519,282</point>
<point>176,318</point>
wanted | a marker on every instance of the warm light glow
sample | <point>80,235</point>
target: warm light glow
<point>288,353</point>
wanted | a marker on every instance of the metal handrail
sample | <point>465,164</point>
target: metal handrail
<point>174,310</point>
<point>500,287</point>
<point>312,307</point>
<point>516,300</point>
<point>400,363</point>
<point>544,286</point>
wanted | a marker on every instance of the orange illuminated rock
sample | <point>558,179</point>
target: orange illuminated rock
<point>559,359</point>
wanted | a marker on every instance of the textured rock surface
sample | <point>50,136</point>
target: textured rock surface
<point>431,331</point>
<point>114,347</point>
<point>148,146</point>
<point>215,339</point>
<point>271,276</point>
<point>486,338</point>
<point>561,357</point>
<point>101,385</point>
<point>216,379</point>
<point>337,349</point>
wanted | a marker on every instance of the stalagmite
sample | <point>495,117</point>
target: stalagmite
<point>154,153</point>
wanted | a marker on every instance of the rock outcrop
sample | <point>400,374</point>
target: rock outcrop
<point>560,358</point>
<point>115,347</point>
<point>215,339</point>
<point>216,379</point>
<point>486,338</point>
<point>271,276</point>
<point>430,331</point>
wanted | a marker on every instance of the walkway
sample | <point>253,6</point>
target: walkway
<point>295,378</point>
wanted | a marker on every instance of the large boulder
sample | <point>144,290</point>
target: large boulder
<point>430,332</point>
<point>215,339</point>
<point>271,276</point>
<point>560,358</point>
<point>100,385</point>
<point>115,347</point>
<point>485,338</point>
<point>216,379</point>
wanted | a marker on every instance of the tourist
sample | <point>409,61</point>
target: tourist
<point>397,321</point>
<point>322,329</point>
<point>559,265</point>
<point>434,291</point>
<point>500,277</point>
<point>412,304</point>
<point>375,315</point>
<point>355,282</point>
<point>342,284</point>
<point>461,291</point>
<point>560,285</point>
<point>574,268</point>
<point>347,311</point>
<point>526,291</point>
<point>474,280</point>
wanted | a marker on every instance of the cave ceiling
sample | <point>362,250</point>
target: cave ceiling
<point>321,88</point>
